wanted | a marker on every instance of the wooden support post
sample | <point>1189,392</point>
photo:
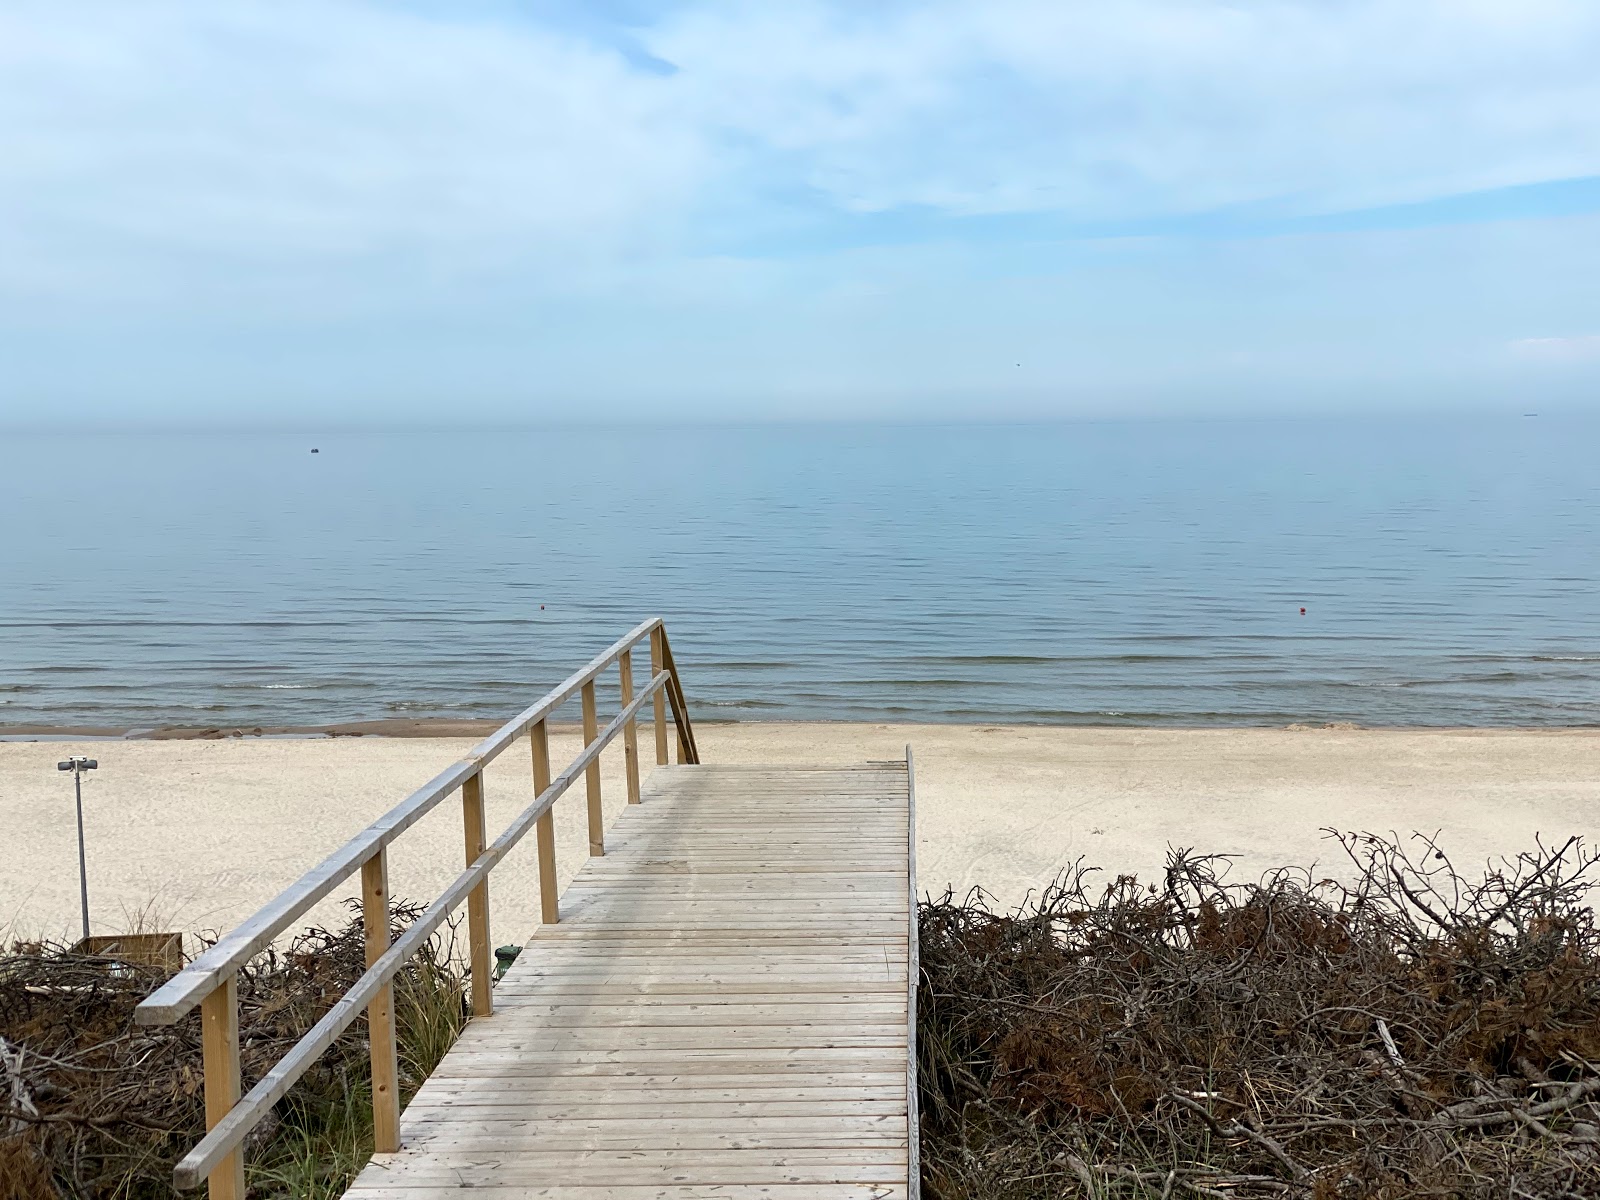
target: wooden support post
<point>544,828</point>
<point>591,775</point>
<point>219,1048</point>
<point>659,701</point>
<point>380,1013</point>
<point>478,899</point>
<point>630,731</point>
<point>680,714</point>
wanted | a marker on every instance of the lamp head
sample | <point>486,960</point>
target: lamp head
<point>78,763</point>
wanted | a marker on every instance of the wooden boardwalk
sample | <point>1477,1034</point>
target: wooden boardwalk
<point>724,1010</point>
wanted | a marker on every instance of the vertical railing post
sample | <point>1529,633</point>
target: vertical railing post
<point>679,712</point>
<point>659,703</point>
<point>544,828</point>
<point>630,731</point>
<point>478,898</point>
<point>380,1013</point>
<point>591,775</point>
<point>219,1049</point>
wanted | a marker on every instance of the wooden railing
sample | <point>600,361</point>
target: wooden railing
<point>210,981</point>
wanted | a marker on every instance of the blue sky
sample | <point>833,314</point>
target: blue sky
<point>336,212</point>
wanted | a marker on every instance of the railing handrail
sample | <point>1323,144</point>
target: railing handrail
<point>210,980</point>
<point>189,986</point>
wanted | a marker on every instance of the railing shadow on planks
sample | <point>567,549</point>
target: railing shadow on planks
<point>210,981</point>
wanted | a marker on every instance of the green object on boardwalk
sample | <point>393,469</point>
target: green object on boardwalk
<point>504,956</point>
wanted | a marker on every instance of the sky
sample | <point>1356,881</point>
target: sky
<point>286,212</point>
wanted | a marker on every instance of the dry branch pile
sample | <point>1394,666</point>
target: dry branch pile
<point>92,1105</point>
<point>1410,1034</point>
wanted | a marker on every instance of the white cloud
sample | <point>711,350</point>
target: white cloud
<point>355,194</point>
<point>1148,107</point>
<point>1582,348</point>
<point>252,131</point>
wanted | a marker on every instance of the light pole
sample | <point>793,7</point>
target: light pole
<point>78,764</point>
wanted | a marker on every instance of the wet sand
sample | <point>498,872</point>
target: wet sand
<point>205,830</point>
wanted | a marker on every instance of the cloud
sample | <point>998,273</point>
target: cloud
<point>1582,348</point>
<point>466,134</point>
<point>252,135</point>
<point>1148,107</point>
<point>356,196</point>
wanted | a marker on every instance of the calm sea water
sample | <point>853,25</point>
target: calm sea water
<point>1099,573</point>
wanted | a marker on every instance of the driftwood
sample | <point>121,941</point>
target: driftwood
<point>92,1104</point>
<point>1413,1033</point>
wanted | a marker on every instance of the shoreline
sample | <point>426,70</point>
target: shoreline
<point>449,727</point>
<point>206,830</point>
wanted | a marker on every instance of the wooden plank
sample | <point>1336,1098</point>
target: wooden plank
<point>913,980</point>
<point>479,941</point>
<point>773,974</point>
<point>770,997</point>
<point>797,1020</point>
<point>857,906</point>
<point>630,736</point>
<point>825,1165</point>
<point>721,1038</point>
<point>437,1122</point>
<point>863,958</point>
<point>721,951</point>
<point>576,1146</point>
<point>794,860</point>
<point>413,1190</point>
<point>741,888</point>
<point>776,1145</point>
<point>380,1012</point>
<point>688,752</point>
<point>623,1167</point>
<point>659,710</point>
<point>489,1143</point>
<point>679,991</point>
<point>219,1049</point>
<point>545,828</point>
<point>540,1013</point>
<point>723,1006</point>
<point>823,1057</point>
<point>591,775</point>
<point>716,1073</point>
<point>683,1101</point>
<point>549,1108</point>
<point>793,1075</point>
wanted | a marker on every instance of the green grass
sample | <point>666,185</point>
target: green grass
<point>324,1135</point>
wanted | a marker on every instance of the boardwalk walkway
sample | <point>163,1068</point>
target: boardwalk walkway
<point>722,1011</point>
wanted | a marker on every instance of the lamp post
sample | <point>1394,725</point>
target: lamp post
<point>78,764</point>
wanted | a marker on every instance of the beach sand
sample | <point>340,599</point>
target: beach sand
<point>206,831</point>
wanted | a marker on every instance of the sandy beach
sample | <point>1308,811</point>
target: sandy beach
<point>205,831</point>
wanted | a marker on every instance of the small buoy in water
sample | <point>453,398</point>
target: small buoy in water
<point>1302,612</point>
<point>314,450</point>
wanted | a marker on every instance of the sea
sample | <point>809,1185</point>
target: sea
<point>1382,571</point>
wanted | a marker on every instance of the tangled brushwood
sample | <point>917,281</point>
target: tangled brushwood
<point>1410,1034</point>
<point>92,1105</point>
